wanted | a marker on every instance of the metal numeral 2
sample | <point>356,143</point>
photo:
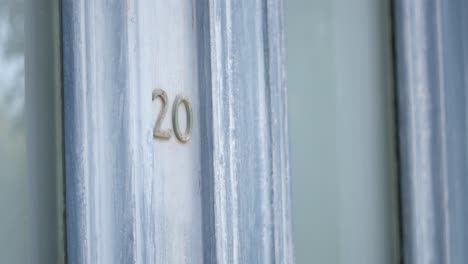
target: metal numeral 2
<point>167,134</point>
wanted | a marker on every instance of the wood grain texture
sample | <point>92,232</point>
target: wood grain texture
<point>431,49</point>
<point>99,117</point>
<point>251,169</point>
<point>121,207</point>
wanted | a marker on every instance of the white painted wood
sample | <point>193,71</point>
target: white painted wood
<point>432,58</point>
<point>166,56</point>
<point>251,169</point>
<point>222,197</point>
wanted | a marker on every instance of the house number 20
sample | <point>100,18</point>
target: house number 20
<point>166,134</point>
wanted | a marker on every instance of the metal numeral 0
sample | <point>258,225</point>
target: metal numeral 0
<point>182,137</point>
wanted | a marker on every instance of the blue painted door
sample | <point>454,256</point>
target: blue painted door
<point>139,77</point>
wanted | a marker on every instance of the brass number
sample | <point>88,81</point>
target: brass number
<point>167,134</point>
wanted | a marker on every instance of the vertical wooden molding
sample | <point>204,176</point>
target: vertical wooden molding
<point>431,77</point>
<point>112,195</point>
<point>251,163</point>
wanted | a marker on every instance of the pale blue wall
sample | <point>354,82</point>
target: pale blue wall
<point>341,128</point>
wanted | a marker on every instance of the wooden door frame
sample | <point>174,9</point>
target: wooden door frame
<point>246,189</point>
<point>431,59</point>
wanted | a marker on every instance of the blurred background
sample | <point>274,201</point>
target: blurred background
<point>342,134</point>
<point>31,180</point>
<point>14,205</point>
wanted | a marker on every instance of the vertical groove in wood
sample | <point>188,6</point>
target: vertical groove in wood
<point>250,132</point>
<point>98,148</point>
<point>284,252</point>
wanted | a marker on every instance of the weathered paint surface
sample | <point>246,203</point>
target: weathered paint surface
<point>432,56</point>
<point>224,196</point>
<point>251,169</point>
